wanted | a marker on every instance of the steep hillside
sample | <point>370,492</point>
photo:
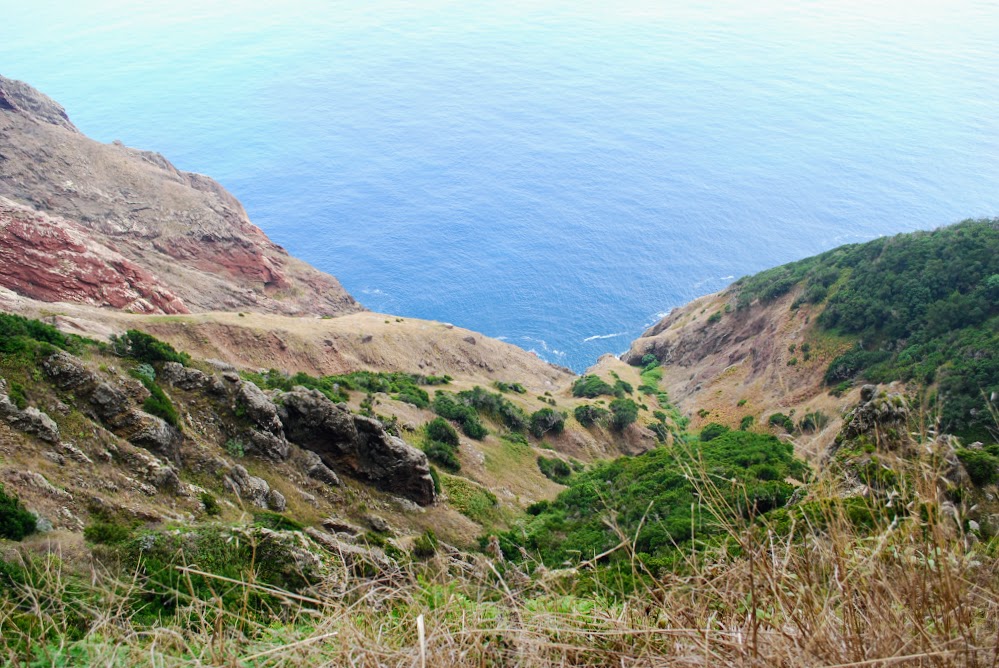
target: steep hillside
<point>918,308</point>
<point>121,208</point>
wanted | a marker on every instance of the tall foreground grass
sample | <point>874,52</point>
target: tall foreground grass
<point>913,590</point>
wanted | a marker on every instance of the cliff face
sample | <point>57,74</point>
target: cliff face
<point>194,242</point>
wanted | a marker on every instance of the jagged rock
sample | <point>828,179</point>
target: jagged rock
<point>378,523</point>
<point>360,444</point>
<point>315,468</point>
<point>276,501</point>
<point>54,457</point>
<point>247,487</point>
<point>259,408</point>
<point>336,525</point>
<point>157,436</point>
<point>267,445</point>
<point>30,420</point>
<point>880,416</point>
<point>40,483</point>
<point>166,479</point>
<point>184,377</point>
<point>230,376</point>
<point>112,406</point>
<point>75,453</point>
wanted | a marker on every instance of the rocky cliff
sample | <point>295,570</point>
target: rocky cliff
<point>161,240</point>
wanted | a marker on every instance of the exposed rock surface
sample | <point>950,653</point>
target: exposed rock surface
<point>880,416</point>
<point>112,406</point>
<point>30,420</point>
<point>361,444</point>
<point>247,487</point>
<point>54,259</point>
<point>192,240</point>
<point>315,468</point>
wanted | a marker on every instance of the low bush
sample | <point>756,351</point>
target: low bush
<point>16,522</point>
<point>440,430</point>
<point>555,469</point>
<point>623,413</point>
<point>547,420</point>
<point>591,386</point>
<point>589,415</point>
<point>712,431</point>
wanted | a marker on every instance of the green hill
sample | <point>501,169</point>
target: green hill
<point>922,306</point>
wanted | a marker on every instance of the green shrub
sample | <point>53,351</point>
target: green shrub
<point>547,420</point>
<point>714,317</point>
<point>235,448</point>
<point>591,386</point>
<point>107,531</point>
<point>510,387</point>
<point>443,454</point>
<point>449,406</point>
<point>588,414</point>
<point>440,430</point>
<point>555,469</point>
<point>813,421</point>
<point>425,545</point>
<point>145,348</point>
<point>982,467</point>
<point>712,431</point>
<point>276,521</point>
<point>17,394</point>
<point>16,521</point>
<point>19,335</point>
<point>212,508</point>
<point>746,422</point>
<point>159,404</point>
<point>781,420</point>
<point>574,527</point>
<point>623,413</point>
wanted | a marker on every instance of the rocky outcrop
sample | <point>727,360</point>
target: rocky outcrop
<point>360,444</point>
<point>54,259</point>
<point>30,420</point>
<point>880,419</point>
<point>314,467</point>
<point>158,238</point>
<point>112,406</point>
<point>253,489</point>
<point>20,98</point>
<point>880,415</point>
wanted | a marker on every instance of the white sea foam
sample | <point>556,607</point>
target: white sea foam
<point>602,336</point>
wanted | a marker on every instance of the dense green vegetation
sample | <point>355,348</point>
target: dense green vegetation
<point>556,469</point>
<point>654,499</point>
<point>145,348</point>
<point>441,444</point>
<point>623,412</point>
<point>16,521</point>
<point>465,407</point>
<point>547,421</point>
<point>404,387</point>
<point>20,335</point>
<point>157,403</point>
<point>590,414</point>
<point>922,306</point>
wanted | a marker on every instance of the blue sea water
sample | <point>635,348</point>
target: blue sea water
<point>557,173</point>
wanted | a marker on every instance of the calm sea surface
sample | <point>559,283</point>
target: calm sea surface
<point>559,174</point>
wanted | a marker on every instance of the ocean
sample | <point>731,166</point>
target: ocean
<point>559,174</point>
